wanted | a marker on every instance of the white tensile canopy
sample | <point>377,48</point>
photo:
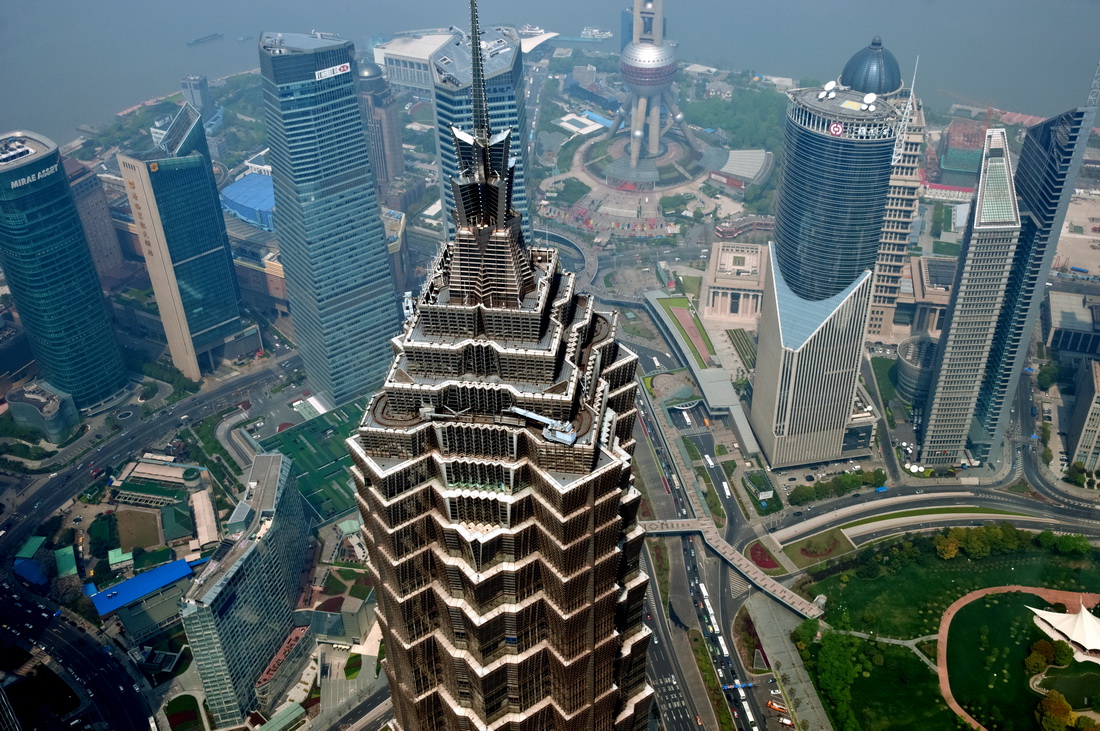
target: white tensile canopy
<point>1080,628</point>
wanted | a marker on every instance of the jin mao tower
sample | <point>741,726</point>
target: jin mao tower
<point>493,473</point>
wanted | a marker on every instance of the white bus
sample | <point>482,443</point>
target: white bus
<point>710,462</point>
<point>687,418</point>
<point>726,489</point>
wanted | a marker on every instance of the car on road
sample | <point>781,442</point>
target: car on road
<point>855,494</point>
<point>797,513</point>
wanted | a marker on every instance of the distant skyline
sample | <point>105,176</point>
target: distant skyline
<point>70,71</point>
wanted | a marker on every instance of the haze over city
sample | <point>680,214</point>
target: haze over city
<point>454,367</point>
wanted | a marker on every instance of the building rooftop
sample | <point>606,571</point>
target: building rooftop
<point>872,70</point>
<point>418,45</point>
<point>268,471</point>
<point>142,585</point>
<point>844,106</point>
<point>66,561</point>
<point>452,62</point>
<point>20,147</point>
<point>1073,311</point>
<point>278,44</point>
<point>746,164</point>
<point>996,199</point>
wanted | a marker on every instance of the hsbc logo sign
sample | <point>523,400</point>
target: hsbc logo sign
<point>332,71</point>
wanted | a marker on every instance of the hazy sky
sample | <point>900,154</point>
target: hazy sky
<point>70,62</point>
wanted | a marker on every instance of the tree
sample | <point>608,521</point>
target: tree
<point>1034,663</point>
<point>1063,653</point>
<point>1047,373</point>
<point>1046,539</point>
<point>946,548</point>
<point>1072,544</point>
<point>1055,705</point>
<point>1046,649</point>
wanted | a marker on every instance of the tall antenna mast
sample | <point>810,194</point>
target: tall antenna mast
<point>903,130</point>
<point>477,83</point>
<point>1094,92</point>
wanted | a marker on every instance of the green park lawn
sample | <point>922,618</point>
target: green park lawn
<point>816,546</point>
<point>893,689</point>
<point>909,603</point>
<point>885,368</point>
<point>989,640</point>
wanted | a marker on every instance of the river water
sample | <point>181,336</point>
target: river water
<point>71,62</point>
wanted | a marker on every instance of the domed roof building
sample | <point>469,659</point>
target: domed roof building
<point>872,70</point>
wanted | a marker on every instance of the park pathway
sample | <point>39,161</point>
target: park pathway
<point>1053,596</point>
<point>911,644</point>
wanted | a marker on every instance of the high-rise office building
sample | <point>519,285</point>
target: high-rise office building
<point>48,266</point>
<point>985,263</point>
<point>875,70</point>
<point>494,480</point>
<point>175,205</point>
<point>382,120</point>
<point>331,239</point>
<point>839,144</point>
<point>1045,176</point>
<point>196,92</point>
<point>95,218</point>
<point>239,611</point>
<point>452,74</point>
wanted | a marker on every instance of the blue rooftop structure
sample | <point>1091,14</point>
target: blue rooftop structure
<point>251,199</point>
<point>119,595</point>
<point>589,114</point>
<point>872,70</point>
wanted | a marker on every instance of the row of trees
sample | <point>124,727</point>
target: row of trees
<point>836,487</point>
<point>997,539</point>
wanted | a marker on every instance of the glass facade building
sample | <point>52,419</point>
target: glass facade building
<point>505,93</point>
<point>832,195</point>
<point>839,145</point>
<point>332,243</point>
<point>1044,181</point>
<point>239,611</point>
<point>53,281</point>
<point>175,205</point>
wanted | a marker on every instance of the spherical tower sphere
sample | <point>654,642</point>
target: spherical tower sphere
<point>646,68</point>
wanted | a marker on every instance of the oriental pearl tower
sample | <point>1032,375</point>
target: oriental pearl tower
<point>648,65</point>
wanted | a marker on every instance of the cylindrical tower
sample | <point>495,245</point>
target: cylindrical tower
<point>47,263</point>
<point>839,145</point>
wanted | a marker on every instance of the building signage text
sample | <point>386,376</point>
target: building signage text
<point>333,71</point>
<point>45,172</point>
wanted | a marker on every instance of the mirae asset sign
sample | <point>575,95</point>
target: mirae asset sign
<point>45,172</point>
<point>332,71</point>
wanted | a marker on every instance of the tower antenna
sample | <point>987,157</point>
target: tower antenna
<point>1094,92</point>
<point>477,82</point>
<point>903,130</point>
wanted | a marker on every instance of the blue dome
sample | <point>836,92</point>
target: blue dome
<point>873,70</point>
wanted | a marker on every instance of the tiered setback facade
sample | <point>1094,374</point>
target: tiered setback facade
<point>493,473</point>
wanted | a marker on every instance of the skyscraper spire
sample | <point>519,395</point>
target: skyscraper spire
<point>477,85</point>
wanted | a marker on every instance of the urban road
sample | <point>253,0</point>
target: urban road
<point>100,675</point>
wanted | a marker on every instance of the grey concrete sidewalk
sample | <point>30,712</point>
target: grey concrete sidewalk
<point>773,625</point>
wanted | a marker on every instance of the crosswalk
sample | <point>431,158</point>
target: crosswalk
<point>738,584</point>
